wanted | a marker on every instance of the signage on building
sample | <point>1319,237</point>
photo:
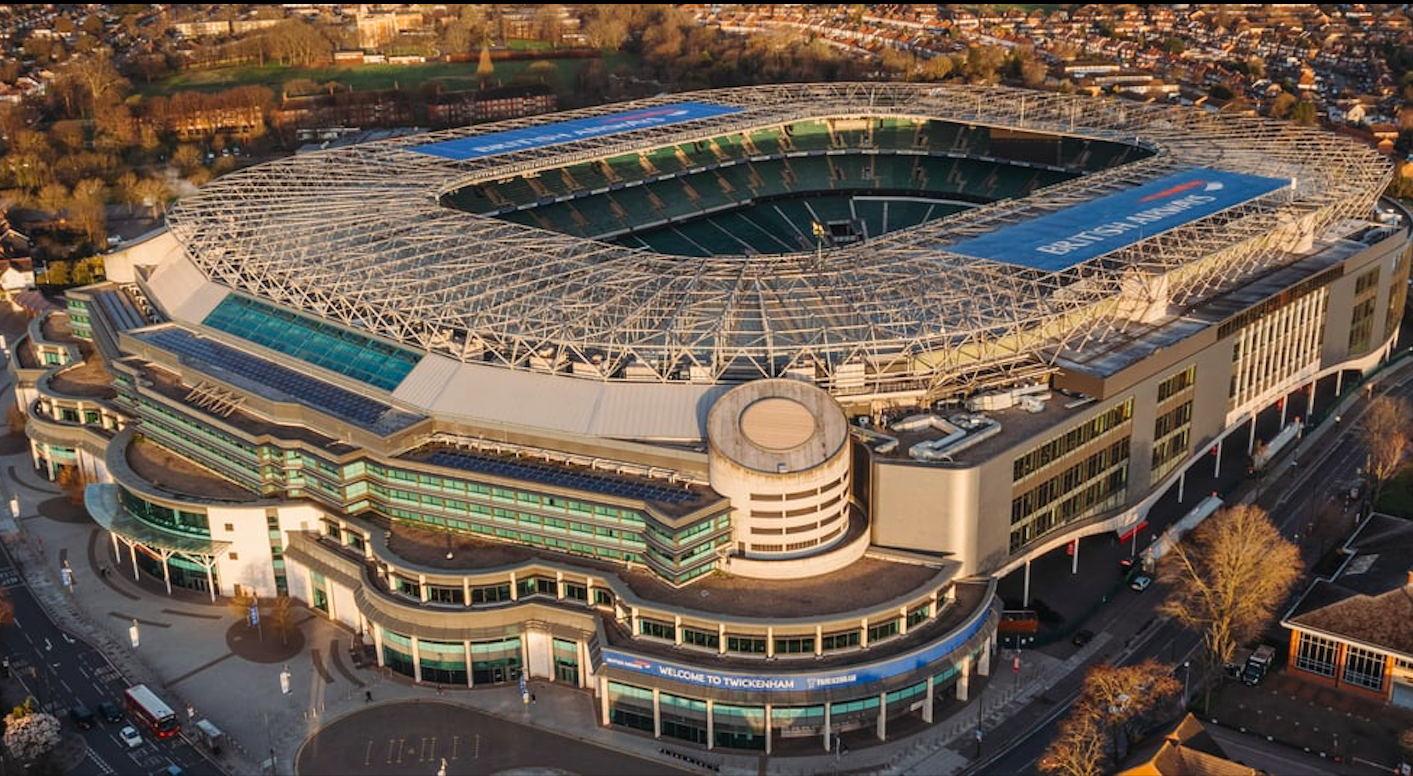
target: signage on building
<point>1067,237</point>
<point>783,682</point>
<point>526,138</point>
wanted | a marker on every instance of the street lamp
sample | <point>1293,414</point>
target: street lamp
<point>1186,671</point>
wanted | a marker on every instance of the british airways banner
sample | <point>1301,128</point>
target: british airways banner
<point>496,143</point>
<point>789,682</point>
<point>1070,236</point>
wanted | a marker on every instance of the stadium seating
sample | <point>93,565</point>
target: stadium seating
<point>766,141</point>
<point>809,136</point>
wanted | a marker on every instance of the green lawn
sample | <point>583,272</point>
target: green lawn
<point>1397,495</point>
<point>453,76</point>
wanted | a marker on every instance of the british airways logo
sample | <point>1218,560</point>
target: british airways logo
<point>1176,200</point>
<point>1180,188</point>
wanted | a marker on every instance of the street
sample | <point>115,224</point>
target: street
<point>1290,500</point>
<point>59,670</point>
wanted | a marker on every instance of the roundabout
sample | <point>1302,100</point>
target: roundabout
<point>415,737</point>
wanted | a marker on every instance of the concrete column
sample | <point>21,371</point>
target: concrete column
<point>677,629</point>
<point>767,730</point>
<point>1310,402</point>
<point>983,667</point>
<point>1025,590</point>
<point>378,643</point>
<point>117,554</point>
<point>1182,483</point>
<point>769,641</point>
<point>863,634</point>
<point>1251,436</point>
<point>583,652</point>
<point>1339,382</point>
<point>515,596</point>
<point>883,716</point>
<point>721,639</point>
<point>210,583</point>
<point>559,585</point>
<point>1074,559</point>
<point>603,700</point>
<point>818,640</point>
<point>1217,470</point>
<point>632,619</point>
<point>416,661</point>
<point>828,730</point>
<point>470,670</point>
<point>132,554</point>
<point>466,591</point>
<point>711,725</point>
<point>963,678</point>
<point>1285,404</point>
<point>422,590</point>
<point>166,573</point>
<point>657,713</point>
<point>902,621</point>
<point>927,702</point>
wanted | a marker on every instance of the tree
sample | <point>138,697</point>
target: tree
<point>241,602</point>
<point>16,419</point>
<point>282,616</point>
<point>1282,105</point>
<point>154,193</point>
<point>53,198</point>
<point>485,68</point>
<point>99,83</point>
<point>1384,431</point>
<point>30,735</point>
<point>1226,580</point>
<point>1303,113</point>
<point>89,210</point>
<point>72,482</point>
<point>1121,694</point>
<point>1080,749</point>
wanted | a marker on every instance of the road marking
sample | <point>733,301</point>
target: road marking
<point>102,766</point>
<point>422,755</point>
<point>368,755</point>
<point>455,746</point>
<point>476,748</point>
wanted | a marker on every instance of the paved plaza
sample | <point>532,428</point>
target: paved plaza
<point>418,737</point>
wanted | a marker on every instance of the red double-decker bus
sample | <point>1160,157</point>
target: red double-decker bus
<point>147,708</point>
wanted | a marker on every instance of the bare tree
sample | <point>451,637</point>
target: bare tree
<point>1080,749</point>
<point>154,193</point>
<point>1226,580</point>
<point>282,616</point>
<point>89,210</point>
<point>72,481</point>
<point>16,419</point>
<point>1384,432</point>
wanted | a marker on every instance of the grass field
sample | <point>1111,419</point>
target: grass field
<point>1396,498</point>
<point>453,76</point>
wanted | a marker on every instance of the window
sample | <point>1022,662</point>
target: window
<point>743,644</point>
<point>1316,655</point>
<point>576,591</point>
<point>444,595</point>
<point>235,556</point>
<point>919,614</point>
<point>1364,668</point>
<point>701,638</point>
<point>842,640</point>
<point>796,645</point>
<point>658,630</point>
<point>881,631</point>
<point>230,528</point>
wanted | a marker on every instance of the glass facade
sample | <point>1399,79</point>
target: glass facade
<point>335,348</point>
<point>1364,668</point>
<point>182,521</point>
<point>1316,655</point>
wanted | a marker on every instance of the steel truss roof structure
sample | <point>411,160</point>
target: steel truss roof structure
<point>358,235</point>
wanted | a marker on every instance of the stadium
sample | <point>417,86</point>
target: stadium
<point>733,408</point>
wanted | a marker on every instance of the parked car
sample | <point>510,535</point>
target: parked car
<point>82,716</point>
<point>109,711</point>
<point>1082,637</point>
<point>1141,582</point>
<point>130,736</point>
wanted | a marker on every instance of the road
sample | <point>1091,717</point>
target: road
<point>59,670</point>
<point>1290,501</point>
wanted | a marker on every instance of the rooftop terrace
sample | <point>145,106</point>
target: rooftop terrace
<point>171,472</point>
<point>866,582</point>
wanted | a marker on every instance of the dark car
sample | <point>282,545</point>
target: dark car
<point>1082,637</point>
<point>109,711</point>
<point>82,716</point>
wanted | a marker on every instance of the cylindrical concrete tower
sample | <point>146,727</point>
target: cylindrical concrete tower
<point>780,452</point>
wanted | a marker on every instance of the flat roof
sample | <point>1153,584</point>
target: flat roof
<point>863,583</point>
<point>970,595</point>
<point>1061,239</point>
<point>168,471</point>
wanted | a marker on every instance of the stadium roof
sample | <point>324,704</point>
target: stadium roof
<point>359,236</point>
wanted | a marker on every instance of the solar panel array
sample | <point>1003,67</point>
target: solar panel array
<point>120,310</point>
<point>276,381</point>
<point>549,474</point>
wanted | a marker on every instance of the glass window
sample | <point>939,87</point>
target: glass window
<point>1364,668</point>
<point>1316,655</point>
